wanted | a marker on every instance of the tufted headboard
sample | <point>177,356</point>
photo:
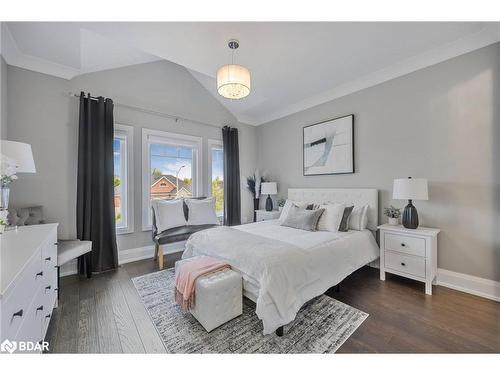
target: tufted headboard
<point>358,197</point>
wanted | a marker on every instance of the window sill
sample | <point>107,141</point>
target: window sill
<point>124,231</point>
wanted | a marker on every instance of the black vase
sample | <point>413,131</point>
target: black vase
<point>269,203</point>
<point>255,207</point>
<point>410,216</point>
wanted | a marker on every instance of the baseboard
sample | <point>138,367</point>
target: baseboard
<point>469,284</point>
<point>129,255</point>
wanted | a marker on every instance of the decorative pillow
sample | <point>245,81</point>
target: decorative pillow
<point>359,218</point>
<point>332,217</point>
<point>301,218</point>
<point>202,211</point>
<point>344,224</point>
<point>286,208</point>
<point>168,214</point>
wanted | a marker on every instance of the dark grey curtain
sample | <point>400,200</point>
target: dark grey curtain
<point>232,195</point>
<point>95,212</point>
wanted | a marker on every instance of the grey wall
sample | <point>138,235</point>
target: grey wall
<point>41,113</point>
<point>441,123</point>
<point>3,97</point>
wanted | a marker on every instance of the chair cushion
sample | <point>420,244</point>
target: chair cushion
<point>180,233</point>
<point>71,249</point>
<point>25,216</point>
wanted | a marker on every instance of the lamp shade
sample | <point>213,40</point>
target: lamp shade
<point>233,81</point>
<point>410,188</point>
<point>21,153</point>
<point>269,188</point>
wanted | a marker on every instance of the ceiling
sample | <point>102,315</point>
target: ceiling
<point>294,66</point>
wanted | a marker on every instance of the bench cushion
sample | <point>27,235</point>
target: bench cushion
<point>70,249</point>
<point>179,233</point>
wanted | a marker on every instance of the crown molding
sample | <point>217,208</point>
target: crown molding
<point>13,56</point>
<point>486,36</point>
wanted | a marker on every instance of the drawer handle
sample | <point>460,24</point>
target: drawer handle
<point>403,264</point>
<point>48,287</point>
<point>39,308</point>
<point>18,313</point>
<point>48,259</point>
<point>48,316</point>
<point>56,243</point>
<point>56,289</point>
<point>403,245</point>
<point>39,274</point>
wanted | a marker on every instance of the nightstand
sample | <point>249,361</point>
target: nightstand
<point>410,253</point>
<point>262,215</point>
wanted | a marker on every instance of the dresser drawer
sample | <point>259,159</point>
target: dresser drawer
<point>31,329</point>
<point>49,248</point>
<point>19,297</point>
<point>405,244</point>
<point>405,263</point>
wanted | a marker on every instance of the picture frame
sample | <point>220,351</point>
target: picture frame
<point>328,147</point>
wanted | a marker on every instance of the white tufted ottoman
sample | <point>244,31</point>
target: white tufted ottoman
<point>218,297</point>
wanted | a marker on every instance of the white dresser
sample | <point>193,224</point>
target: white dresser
<point>411,253</point>
<point>262,215</point>
<point>28,290</point>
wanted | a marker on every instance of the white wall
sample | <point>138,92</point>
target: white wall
<point>441,123</point>
<point>41,113</point>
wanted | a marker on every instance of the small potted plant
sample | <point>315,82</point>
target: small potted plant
<point>393,214</point>
<point>281,204</point>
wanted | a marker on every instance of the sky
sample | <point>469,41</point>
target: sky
<point>168,159</point>
<point>116,156</point>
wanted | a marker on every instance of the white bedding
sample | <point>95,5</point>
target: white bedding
<point>289,266</point>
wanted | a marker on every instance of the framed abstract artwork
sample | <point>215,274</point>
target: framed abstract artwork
<point>328,147</point>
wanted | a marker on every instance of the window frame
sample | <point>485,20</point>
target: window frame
<point>126,133</point>
<point>212,144</point>
<point>159,136</point>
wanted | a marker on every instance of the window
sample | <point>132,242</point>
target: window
<point>122,181</point>
<point>170,168</point>
<point>216,173</point>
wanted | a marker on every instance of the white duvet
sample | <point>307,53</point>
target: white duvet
<point>290,266</point>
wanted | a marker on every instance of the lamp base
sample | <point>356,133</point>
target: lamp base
<point>269,203</point>
<point>410,216</point>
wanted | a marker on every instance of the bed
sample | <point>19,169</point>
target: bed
<point>282,267</point>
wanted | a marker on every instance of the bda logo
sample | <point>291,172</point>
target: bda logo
<point>8,346</point>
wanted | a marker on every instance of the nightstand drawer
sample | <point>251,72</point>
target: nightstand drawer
<point>405,244</point>
<point>405,263</point>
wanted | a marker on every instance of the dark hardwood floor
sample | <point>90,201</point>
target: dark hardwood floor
<point>105,315</point>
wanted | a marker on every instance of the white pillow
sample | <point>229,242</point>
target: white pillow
<point>358,220</point>
<point>168,214</point>
<point>201,211</point>
<point>286,208</point>
<point>332,217</point>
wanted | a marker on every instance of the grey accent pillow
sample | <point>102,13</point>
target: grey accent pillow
<point>301,218</point>
<point>344,224</point>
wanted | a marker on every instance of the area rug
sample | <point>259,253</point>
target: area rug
<point>321,326</point>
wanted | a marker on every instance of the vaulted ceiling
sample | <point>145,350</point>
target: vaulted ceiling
<point>294,66</point>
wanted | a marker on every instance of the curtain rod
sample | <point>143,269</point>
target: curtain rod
<point>152,112</point>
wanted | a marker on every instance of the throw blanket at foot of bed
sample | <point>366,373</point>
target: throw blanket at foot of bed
<point>283,271</point>
<point>189,272</point>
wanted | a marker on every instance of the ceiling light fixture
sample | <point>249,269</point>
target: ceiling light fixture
<point>233,81</point>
